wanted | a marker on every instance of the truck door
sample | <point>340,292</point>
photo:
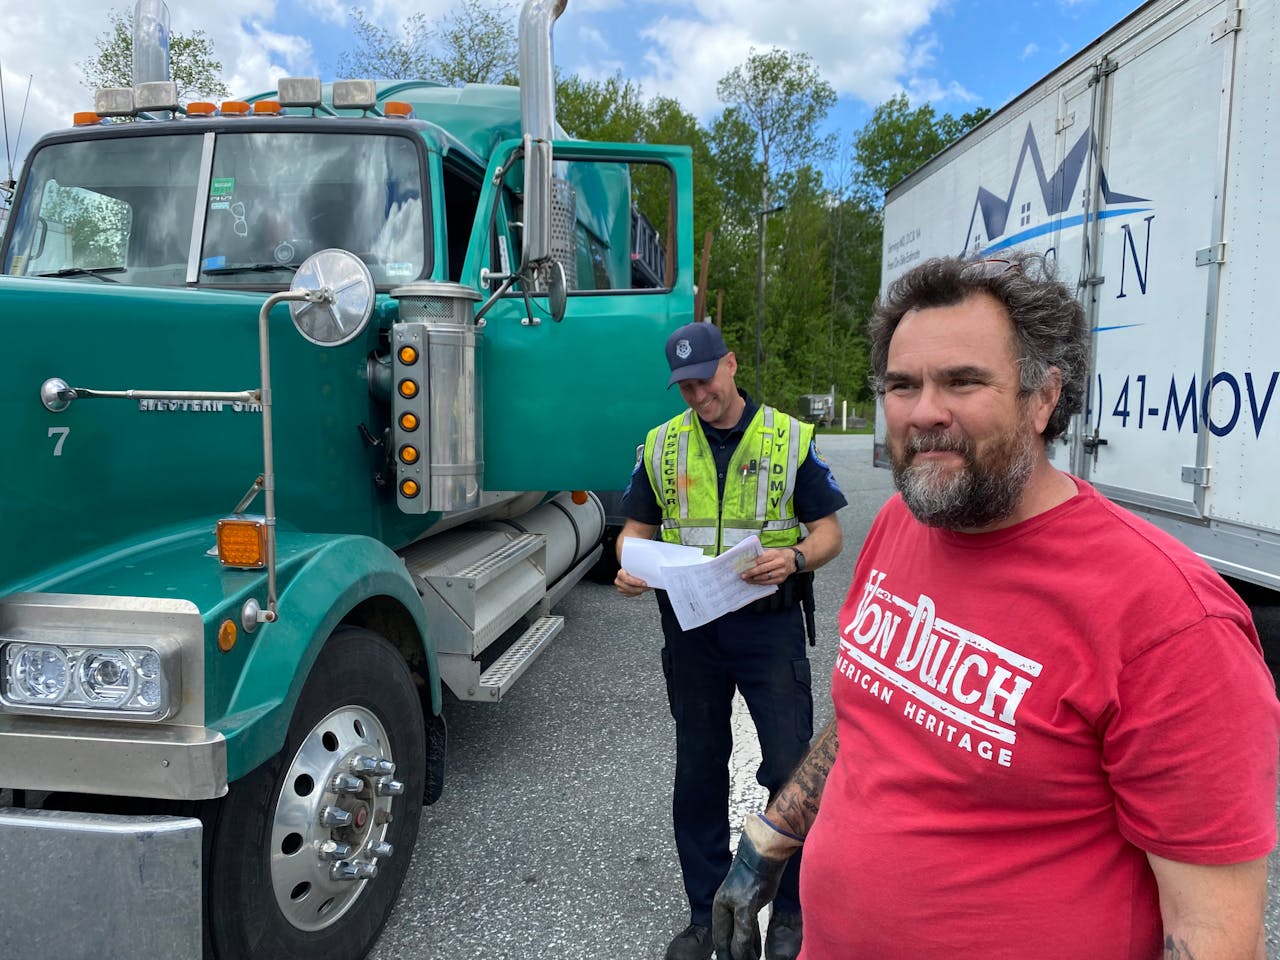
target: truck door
<point>564,404</point>
<point>1159,112</point>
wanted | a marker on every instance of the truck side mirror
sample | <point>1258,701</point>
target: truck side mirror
<point>343,314</point>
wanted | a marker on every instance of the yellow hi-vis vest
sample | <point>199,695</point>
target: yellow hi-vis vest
<point>759,488</point>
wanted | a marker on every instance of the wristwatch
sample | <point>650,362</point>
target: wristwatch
<point>799,559</point>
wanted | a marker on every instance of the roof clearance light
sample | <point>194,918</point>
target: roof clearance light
<point>267,108</point>
<point>242,542</point>
<point>355,94</point>
<point>85,118</point>
<point>201,108</point>
<point>113,102</point>
<point>235,108</point>
<point>397,109</point>
<point>298,91</point>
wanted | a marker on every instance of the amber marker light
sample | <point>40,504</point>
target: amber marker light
<point>579,497</point>
<point>235,108</point>
<point>201,108</point>
<point>242,542</point>
<point>408,354</point>
<point>397,109</point>
<point>85,118</point>
<point>408,389</point>
<point>408,421</point>
<point>226,636</point>
<point>267,108</point>
<point>409,488</point>
<point>408,453</point>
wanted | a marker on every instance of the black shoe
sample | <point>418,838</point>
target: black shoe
<point>786,930</point>
<point>693,943</point>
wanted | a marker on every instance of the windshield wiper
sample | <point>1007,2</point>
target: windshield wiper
<point>249,268</point>
<point>99,272</point>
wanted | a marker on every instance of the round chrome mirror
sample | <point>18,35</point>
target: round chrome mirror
<point>341,315</point>
<point>557,291</point>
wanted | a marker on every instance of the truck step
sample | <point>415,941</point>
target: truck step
<point>463,676</point>
<point>476,584</point>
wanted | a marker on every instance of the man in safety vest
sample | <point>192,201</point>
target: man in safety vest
<point>721,471</point>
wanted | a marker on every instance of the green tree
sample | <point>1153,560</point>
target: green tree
<point>898,138</point>
<point>781,98</point>
<point>474,43</point>
<point>192,64</point>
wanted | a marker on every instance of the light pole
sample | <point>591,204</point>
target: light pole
<point>762,213</point>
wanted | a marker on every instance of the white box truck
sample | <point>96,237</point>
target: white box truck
<point>1148,167</point>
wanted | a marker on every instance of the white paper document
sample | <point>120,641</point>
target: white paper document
<point>699,587</point>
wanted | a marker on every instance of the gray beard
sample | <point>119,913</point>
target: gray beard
<point>979,495</point>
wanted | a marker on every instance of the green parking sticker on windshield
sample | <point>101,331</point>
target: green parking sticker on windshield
<point>221,188</point>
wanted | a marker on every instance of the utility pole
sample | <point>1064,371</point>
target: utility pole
<point>762,213</point>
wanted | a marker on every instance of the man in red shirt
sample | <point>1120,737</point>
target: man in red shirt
<point>1055,735</point>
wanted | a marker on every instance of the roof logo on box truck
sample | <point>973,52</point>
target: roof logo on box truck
<point>1056,194</point>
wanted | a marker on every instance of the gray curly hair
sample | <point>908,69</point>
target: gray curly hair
<point>1049,325</point>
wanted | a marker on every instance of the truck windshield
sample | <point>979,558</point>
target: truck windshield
<point>132,209</point>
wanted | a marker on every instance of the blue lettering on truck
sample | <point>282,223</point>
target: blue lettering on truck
<point>1226,403</point>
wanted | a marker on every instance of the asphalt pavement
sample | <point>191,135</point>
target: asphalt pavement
<point>553,836</point>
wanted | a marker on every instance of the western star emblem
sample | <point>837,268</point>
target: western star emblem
<point>683,349</point>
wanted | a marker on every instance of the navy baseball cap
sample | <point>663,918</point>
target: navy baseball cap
<point>694,352</point>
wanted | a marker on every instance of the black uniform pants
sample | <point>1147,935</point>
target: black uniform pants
<point>763,656</point>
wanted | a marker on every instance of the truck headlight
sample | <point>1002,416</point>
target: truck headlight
<point>130,682</point>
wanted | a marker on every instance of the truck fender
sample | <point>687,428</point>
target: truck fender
<point>345,579</point>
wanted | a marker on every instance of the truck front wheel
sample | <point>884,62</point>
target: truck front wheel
<point>306,854</point>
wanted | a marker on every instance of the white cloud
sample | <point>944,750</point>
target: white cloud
<point>863,48</point>
<point>1029,51</point>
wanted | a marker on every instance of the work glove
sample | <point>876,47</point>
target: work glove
<point>752,881</point>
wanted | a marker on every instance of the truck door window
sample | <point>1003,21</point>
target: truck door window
<point>610,224</point>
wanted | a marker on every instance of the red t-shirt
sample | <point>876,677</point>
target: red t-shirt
<point>1022,714</point>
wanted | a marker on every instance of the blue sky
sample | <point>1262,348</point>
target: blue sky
<point>956,54</point>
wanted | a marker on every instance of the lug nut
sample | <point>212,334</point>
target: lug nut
<point>386,787</point>
<point>334,817</point>
<point>353,870</point>
<point>346,783</point>
<point>333,850</point>
<point>375,765</point>
<point>380,849</point>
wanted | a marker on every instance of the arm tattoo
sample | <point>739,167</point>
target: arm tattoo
<point>1176,950</point>
<point>796,804</point>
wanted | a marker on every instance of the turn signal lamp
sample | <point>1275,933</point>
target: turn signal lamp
<point>266,108</point>
<point>235,108</point>
<point>408,389</point>
<point>85,118</point>
<point>408,354</point>
<point>408,421</point>
<point>242,542</point>
<point>409,453</point>
<point>201,108</point>
<point>398,110</point>
<point>409,488</point>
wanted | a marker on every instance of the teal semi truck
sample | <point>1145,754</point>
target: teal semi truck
<point>242,560</point>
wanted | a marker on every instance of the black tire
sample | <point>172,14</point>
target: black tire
<point>269,890</point>
<point>605,569</point>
